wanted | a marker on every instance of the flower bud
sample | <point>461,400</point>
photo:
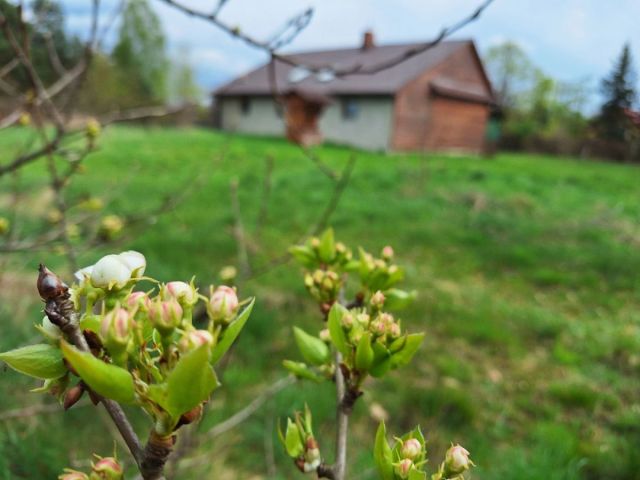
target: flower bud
<point>135,261</point>
<point>194,339</point>
<point>93,128</point>
<point>377,299</point>
<point>165,316</point>
<point>315,243</point>
<point>228,273</point>
<point>4,225</point>
<point>308,280</point>
<point>107,468</point>
<point>25,119</point>
<point>403,468</point>
<point>411,449</point>
<point>73,395</point>
<point>184,293</point>
<point>456,460</point>
<point>341,248</point>
<point>110,271</point>
<point>223,303</point>
<point>324,335</point>
<point>49,284</point>
<point>378,328</point>
<point>393,329</point>
<point>110,227</point>
<point>387,252</point>
<point>138,299</point>
<point>347,321</point>
<point>115,328</point>
<point>72,475</point>
<point>363,319</point>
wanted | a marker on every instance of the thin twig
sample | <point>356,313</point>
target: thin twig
<point>240,416</point>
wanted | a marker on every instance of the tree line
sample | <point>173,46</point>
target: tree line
<point>136,71</point>
<point>540,113</point>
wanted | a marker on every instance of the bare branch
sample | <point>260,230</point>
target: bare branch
<point>356,69</point>
<point>246,412</point>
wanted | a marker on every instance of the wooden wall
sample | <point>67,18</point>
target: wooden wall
<point>461,124</point>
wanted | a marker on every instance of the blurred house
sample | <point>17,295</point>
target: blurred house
<point>437,100</point>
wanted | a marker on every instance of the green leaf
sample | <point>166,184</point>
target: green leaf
<point>396,299</point>
<point>382,454</point>
<point>304,255</point>
<point>301,370</point>
<point>105,379</point>
<point>381,360</point>
<point>313,350</point>
<point>292,440</point>
<point>411,346</point>
<point>364,353</point>
<point>40,361</point>
<point>415,474</point>
<point>336,332</point>
<point>327,249</point>
<point>190,383</point>
<point>230,334</point>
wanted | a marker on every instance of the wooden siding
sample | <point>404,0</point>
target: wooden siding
<point>424,122</point>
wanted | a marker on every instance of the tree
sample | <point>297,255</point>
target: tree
<point>620,95</point>
<point>511,71</point>
<point>140,52</point>
<point>182,80</point>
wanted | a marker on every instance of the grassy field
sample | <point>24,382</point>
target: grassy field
<point>527,269</point>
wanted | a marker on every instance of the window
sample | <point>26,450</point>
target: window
<point>245,105</point>
<point>350,108</point>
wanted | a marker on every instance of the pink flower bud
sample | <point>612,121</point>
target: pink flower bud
<point>393,329</point>
<point>182,292</point>
<point>165,316</point>
<point>378,328</point>
<point>194,339</point>
<point>403,468</point>
<point>347,321</point>
<point>223,303</point>
<point>72,475</point>
<point>411,449</point>
<point>377,299</point>
<point>456,460</point>
<point>387,252</point>
<point>115,328</point>
<point>108,468</point>
<point>136,299</point>
<point>325,336</point>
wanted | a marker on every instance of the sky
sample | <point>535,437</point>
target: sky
<point>570,40</point>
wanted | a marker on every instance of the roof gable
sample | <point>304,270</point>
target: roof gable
<point>385,82</point>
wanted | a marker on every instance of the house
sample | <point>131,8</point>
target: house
<point>437,100</point>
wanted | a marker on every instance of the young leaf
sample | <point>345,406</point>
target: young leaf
<point>382,454</point>
<point>230,334</point>
<point>327,249</point>
<point>313,350</point>
<point>415,474</point>
<point>381,360</point>
<point>364,353</point>
<point>304,255</point>
<point>292,440</point>
<point>404,356</point>
<point>40,361</point>
<point>336,332</point>
<point>301,370</point>
<point>105,379</point>
<point>189,383</point>
<point>396,299</point>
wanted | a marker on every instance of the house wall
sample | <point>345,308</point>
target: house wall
<point>261,119</point>
<point>456,126</point>
<point>416,111</point>
<point>370,129</point>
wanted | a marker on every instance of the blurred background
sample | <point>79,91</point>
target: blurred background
<point>501,163</point>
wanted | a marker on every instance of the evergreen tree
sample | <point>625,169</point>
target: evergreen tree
<point>140,52</point>
<point>619,94</point>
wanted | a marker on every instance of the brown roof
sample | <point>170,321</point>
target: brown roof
<point>471,92</point>
<point>385,82</point>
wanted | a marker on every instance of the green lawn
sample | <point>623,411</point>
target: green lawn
<point>527,269</point>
